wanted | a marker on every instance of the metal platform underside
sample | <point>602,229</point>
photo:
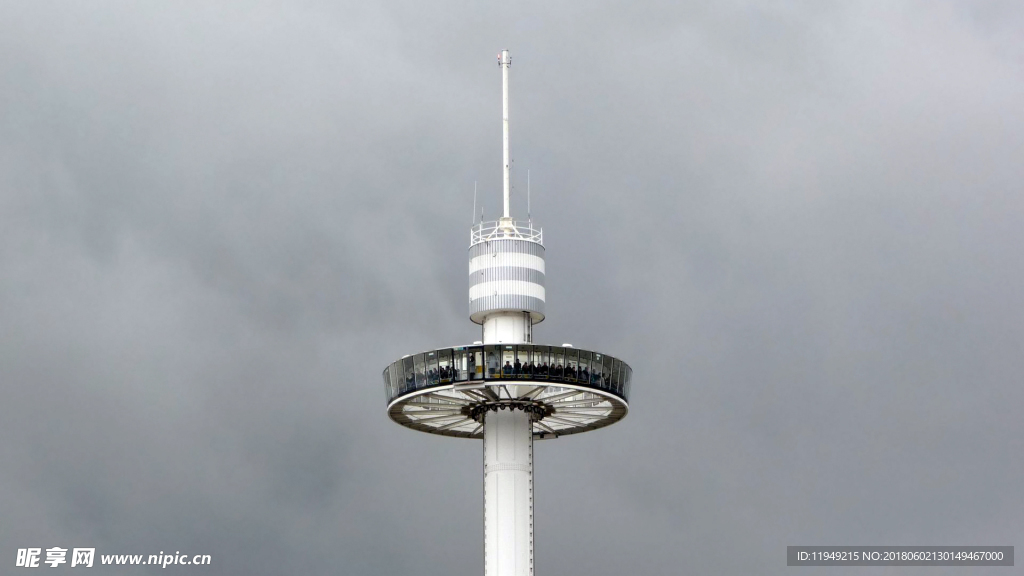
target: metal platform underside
<point>557,409</point>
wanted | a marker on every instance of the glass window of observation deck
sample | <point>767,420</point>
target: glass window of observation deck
<point>444,365</point>
<point>595,369</point>
<point>387,383</point>
<point>572,359</point>
<point>557,366</point>
<point>584,373</point>
<point>421,373</point>
<point>493,354</point>
<point>521,367</point>
<point>431,368</point>
<point>395,374</point>
<point>409,375</point>
<point>616,365</point>
<point>460,371</point>
<point>540,361</point>
<point>508,358</point>
<point>476,363</point>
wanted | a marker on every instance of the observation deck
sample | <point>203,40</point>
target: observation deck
<point>566,390</point>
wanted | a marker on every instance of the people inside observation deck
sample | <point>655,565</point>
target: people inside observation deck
<point>519,365</point>
<point>445,373</point>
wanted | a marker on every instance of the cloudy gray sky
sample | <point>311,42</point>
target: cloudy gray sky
<point>800,223</point>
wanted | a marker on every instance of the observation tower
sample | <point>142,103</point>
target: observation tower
<point>506,389</point>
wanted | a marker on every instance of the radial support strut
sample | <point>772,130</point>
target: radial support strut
<point>508,493</point>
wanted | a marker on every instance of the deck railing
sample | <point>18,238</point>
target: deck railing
<point>504,229</point>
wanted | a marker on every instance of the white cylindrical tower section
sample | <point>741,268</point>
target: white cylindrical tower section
<point>508,328</point>
<point>506,288</point>
<point>508,493</point>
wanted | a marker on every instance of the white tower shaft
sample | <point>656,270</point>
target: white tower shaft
<point>508,470</point>
<point>505,64</point>
<point>508,493</point>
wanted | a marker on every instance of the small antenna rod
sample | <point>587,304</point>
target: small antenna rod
<point>505,62</point>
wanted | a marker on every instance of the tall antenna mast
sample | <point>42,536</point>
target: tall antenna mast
<point>505,62</point>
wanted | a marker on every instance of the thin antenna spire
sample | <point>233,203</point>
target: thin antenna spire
<point>505,62</point>
<point>528,216</point>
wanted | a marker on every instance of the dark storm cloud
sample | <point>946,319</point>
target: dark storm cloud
<point>800,224</point>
